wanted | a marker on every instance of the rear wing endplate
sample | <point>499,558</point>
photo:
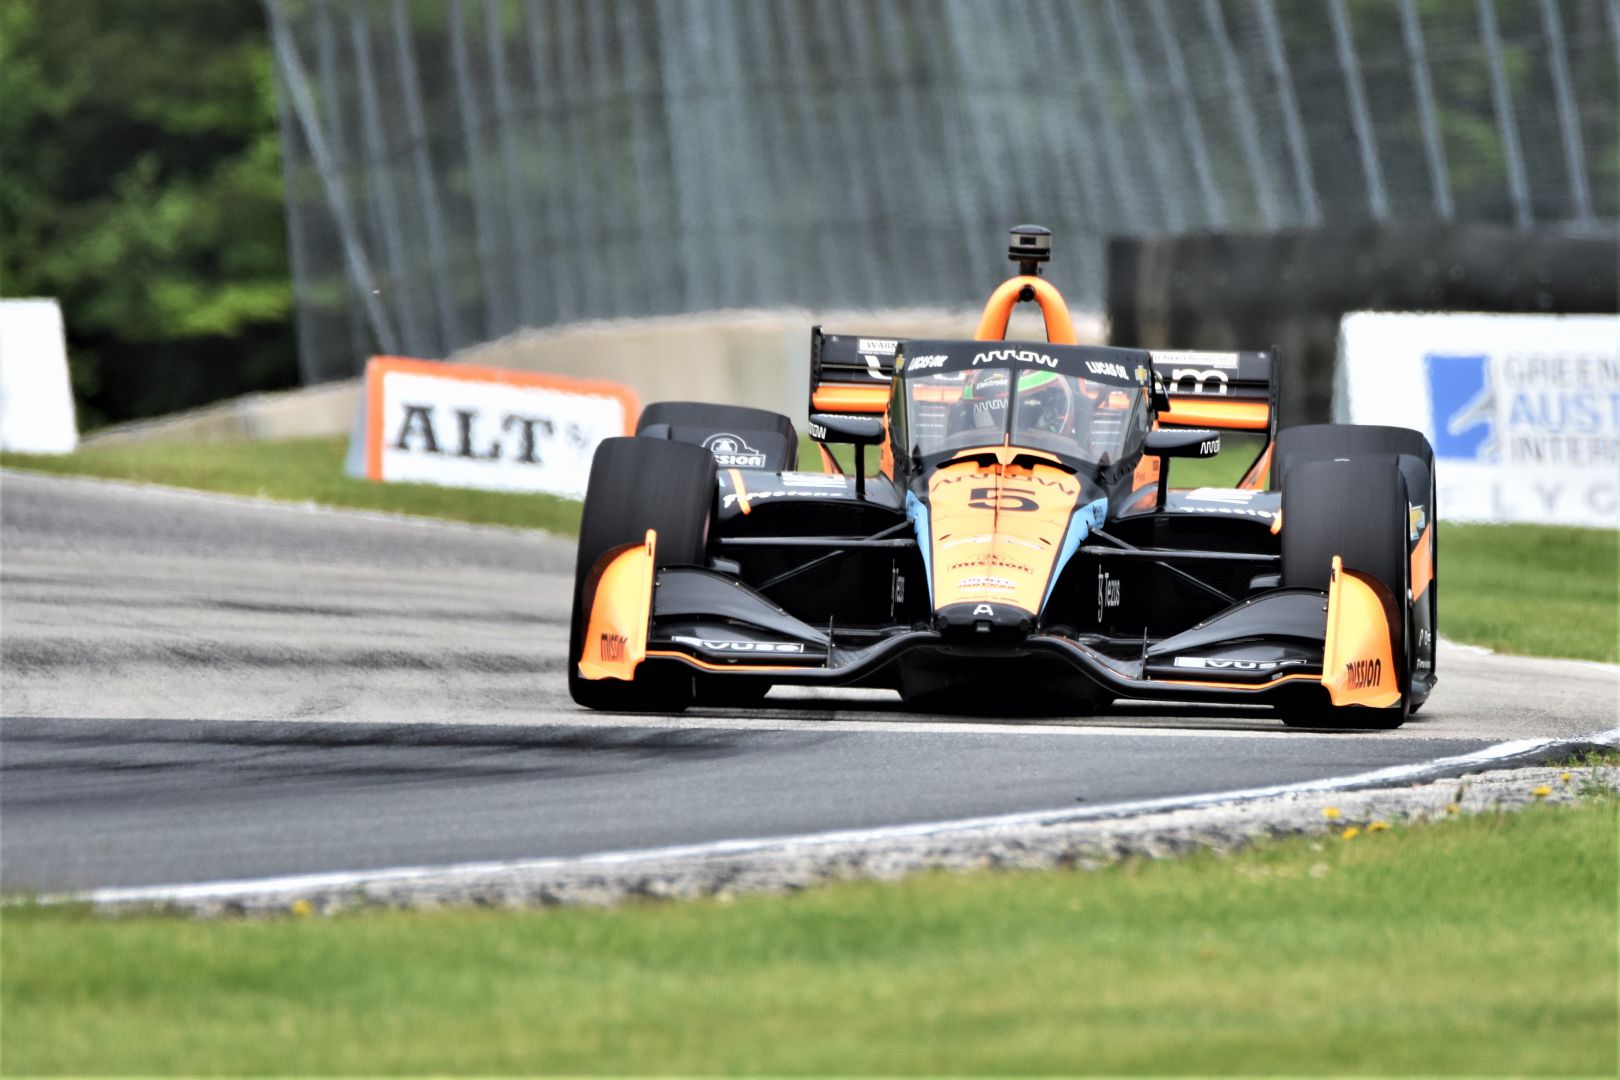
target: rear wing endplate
<point>850,373</point>
<point>1228,391</point>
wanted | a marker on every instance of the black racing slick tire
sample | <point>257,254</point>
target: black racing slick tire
<point>738,436</point>
<point>636,485</point>
<point>1319,442</point>
<point>1355,508</point>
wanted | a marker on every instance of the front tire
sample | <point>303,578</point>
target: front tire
<point>636,485</point>
<point>1355,508</point>
<point>1325,442</point>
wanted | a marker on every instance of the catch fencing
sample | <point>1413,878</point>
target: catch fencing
<point>459,169</point>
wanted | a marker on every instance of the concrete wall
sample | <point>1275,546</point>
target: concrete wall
<point>328,409</point>
<point>758,358</point>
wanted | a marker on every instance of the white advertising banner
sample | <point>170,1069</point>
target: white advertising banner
<point>1523,410</point>
<point>36,396</point>
<point>456,425</point>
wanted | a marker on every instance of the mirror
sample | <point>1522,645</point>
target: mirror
<point>839,428</point>
<point>1184,442</point>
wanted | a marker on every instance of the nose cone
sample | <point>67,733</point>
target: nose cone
<point>998,535</point>
<point>984,623</point>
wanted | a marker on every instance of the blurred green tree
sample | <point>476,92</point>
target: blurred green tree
<point>140,185</point>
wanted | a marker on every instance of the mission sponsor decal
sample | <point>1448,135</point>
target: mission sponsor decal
<point>991,560</point>
<point>1364,673</point>
<point>732,451</point>
<point>611,647</point>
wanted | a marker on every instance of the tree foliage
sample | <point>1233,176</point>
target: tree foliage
<point>140,184</point>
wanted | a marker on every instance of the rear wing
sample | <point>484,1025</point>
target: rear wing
<point>850,373</point>
<point>1228,391</point>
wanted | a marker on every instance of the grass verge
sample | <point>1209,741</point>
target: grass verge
<point>298,470</point>
<point>1537,590</point>
<point>1540,590</point>
<point>1480,945</point>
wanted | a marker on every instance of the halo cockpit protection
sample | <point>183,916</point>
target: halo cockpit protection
<point>951,396</point>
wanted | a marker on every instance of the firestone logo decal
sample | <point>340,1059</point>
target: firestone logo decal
<point>728,501</point>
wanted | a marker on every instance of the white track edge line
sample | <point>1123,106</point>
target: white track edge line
<point>303,883</point>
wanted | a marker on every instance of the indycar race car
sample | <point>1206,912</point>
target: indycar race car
<point>1018,548</point>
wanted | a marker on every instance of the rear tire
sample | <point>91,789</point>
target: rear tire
<point>698,423</point>
<point>1354,508</point>
<point>636,485</point>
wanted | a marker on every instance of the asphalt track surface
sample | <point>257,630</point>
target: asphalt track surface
<point>197,688</point>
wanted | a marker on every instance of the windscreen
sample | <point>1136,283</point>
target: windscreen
<point>1045,398</point>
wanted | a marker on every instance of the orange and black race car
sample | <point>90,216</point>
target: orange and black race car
<point>1019,548</point>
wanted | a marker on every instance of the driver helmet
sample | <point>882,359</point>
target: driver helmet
<point>1045,401</point>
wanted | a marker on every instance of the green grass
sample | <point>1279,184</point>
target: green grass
<point>1529,589</point>
<point>299,470</point>
<point>1482,945</point>
<point>1533,589</point>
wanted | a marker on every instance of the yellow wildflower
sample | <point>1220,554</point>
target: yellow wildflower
<point>302,908</point>
<point>1378,826</point>
<point>1351,833</point>
<point>1542,792</point>
<point>1451,808</point>
<point>1331,813</point>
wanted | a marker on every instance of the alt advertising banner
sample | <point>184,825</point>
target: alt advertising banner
<point>1523,410</point>
<point>457,425</point>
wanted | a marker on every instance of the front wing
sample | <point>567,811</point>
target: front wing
<point>1343,641</point>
